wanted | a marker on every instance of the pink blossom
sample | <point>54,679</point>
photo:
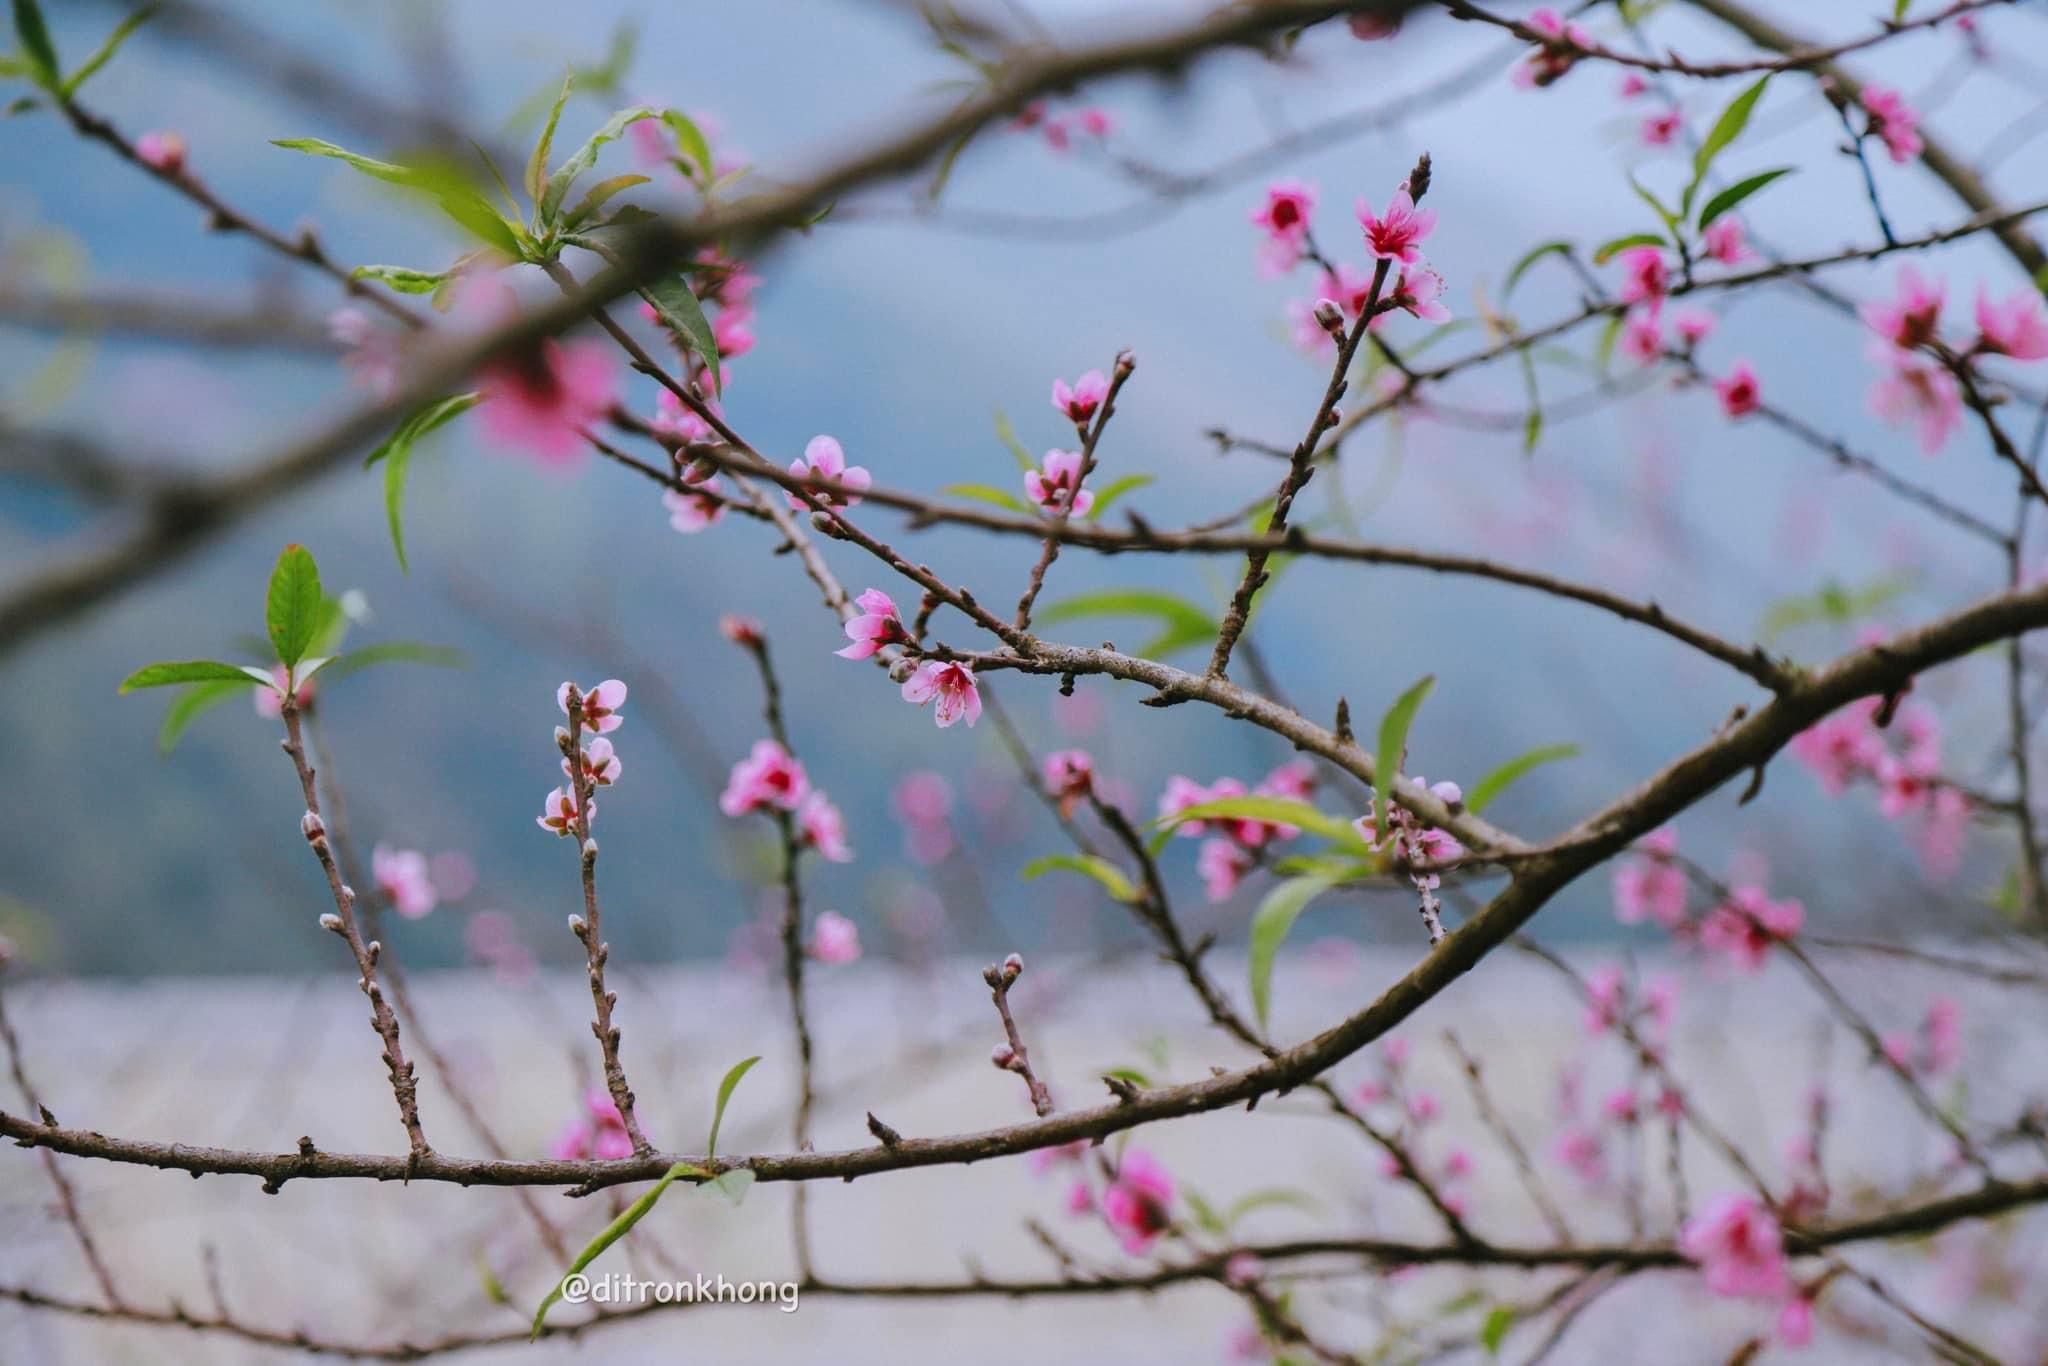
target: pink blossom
<point>1080,1199</point>
<point>1795,1322</point>
<point>1044,1160</point>
<point>1738,391</point>
<point>1424,1107</point>
<point>1369,28</point>
<point>1723,240</point>
<point>1606,998</point>
<point>834,938</point>
<point>823,827</point>
<point>768,777</point>
<point>1055,485</point>
<point>740,628</point>
<point>1633,85</point>
<point>1457,1164</point>
<point>1893,120</point>
<point>600,763</point>
<point>453,874</point>
<point>1294,779</point>
<point>600,705</point>
<point>1416,290</point>
<point>952,683</point>
<point>1138,1203</point>
<point>1582,1151</point>
<point>1399,235</point>
<point>1661,129</point>
<point>1660,998</point>
<point>1642,337</point>
<point>1646,277</point>
<point>492,940</point>
<point>162,150</point>
<point>1222,865</point>
<point>1942,1034</point>
<point>2016,327</point>
<point>544,398</point>
<point>558,812</point>
<point>1693,325</point>
<point>877,626</point>
<point>823,459</point>
<point>1080,401</point>
<point>1748,924</point>
<point>680,423</point>
<point>1558,53</point>
<point>1911,318</point>
<point>372,356</point>
<point>1840,748</point>
<point>1069,777</point>
<point>1285,217</point>
<point>1901,789</point>
<point>1651,886</point>
<point>693,512</point>
<point>1620,1105</point>
<point>732,332</point>
<point>1942,834</point>
<point>1096,122</point>
<point>1737,1243</point>
<point>403,880</point>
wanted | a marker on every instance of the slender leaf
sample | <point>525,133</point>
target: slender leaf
<point>1275,1197</point>
<point>595,198</point>
<point>1270,923</point>
<point>1532,430</point>
<point>690,140</point>
<point>1669,219</point>
<point>369,166</point>
<point>1007,434</point>
<point>396,652</point>
<point>106,52</point>
<point>725,1090</point>
<point>1272,810</point>
<point>1393,739</point>
<point>1117,488</point>
<point>189,671</point>
<point>615,1230</point>
<point>1726,129</point>
<point>402,278</point>
<point>1494,783</point>
<point>989,493</point>
<point>733,1185</point>
<point>1102,870</point>
<point>1607,251</point>
<point>676,304</point>
<point>584,157</point>
<point>1736,193</point>
<point>1494,1331</point>
<point>34,36</point>
<point>1535,254</point>
<point>1185,623</point>
<point>537,164</point>
<point>292,608</point>
<point>188,706</point>
<point>396,453</point>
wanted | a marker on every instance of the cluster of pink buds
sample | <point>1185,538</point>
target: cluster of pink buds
<point>1559,47</point>
<point>1935,1047</point>
<point>1651,885</point>
<point>589,764</point>
<point>1409,1115</point>
<point>1393,237</point>
<point>1897,750</point>
<point>1070,778</point>
<point>1415,847</point>
<point>1061,130</point>
<point>597,1133</point>
<point>1740,1250</point>
<point>834,938</point>
<point>1233,846</point>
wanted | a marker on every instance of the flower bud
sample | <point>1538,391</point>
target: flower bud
<point>312,827</point>
<point>331,921</point>
<point>1004,1057</point>
<point>576,925</point>
<point>1013,967</point>
<point>1329,317</point>
<point>902,669</point>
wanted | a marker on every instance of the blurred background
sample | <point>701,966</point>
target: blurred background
<point>901,327</point>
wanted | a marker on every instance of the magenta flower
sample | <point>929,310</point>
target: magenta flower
<point>600,764</point>
<point>1583,1153</point>
<point>834,938</point>
<point>1222,865</point>
<point>1070,777</point>
<point>1745,928</point>
<point>1561,46</point>
<point>1080,402</point>
<point>1919,392</point>
<point>952,684</point>
<point>1399,235</point>
<point>600,705</point>
<point>1910,319</point>
<point>1416,290</point>
<point>1725,242</point>
<point>1661,130</point>
<point>1642,337</point>
<point>1693,325</point>
<point>678,422</point>
<point>1893,120</point>
<point>161,150</point>
<point>768,777</point>
<point>1738,391</point>
<point>1633,85</point>
<point>823,459</point>
<point>740,628</point>
<point>691,512</point>
<point>1795,1322</point>
<point>823,827</point>
<point>1646,279</point>
<point>877,626</point>
<point>732,332</point>
<point>1285,217</point>
<point>1739,1246</point>
<point>2015,328</point>
<point>403,880</point>
<point>558,812</point>
<point>1056,485</point>
<point>543,399</point>
<point>1296,779</point>
<point>1138,1203</point>
<point>600,1133</point>
<point>1651,886</point>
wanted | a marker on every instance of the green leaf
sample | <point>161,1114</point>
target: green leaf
<point>396,652</point>
<point>1007,434</point>
<point>1272,810</point>
<point>165,674</point>
<point>537,164</point>
<point>1834,602</point>
<point>107,49</point>
<point>1535,254</point>
<point>1116,489</point>
<point>733,1185</point>
<point>1495,1330</point>
<point>457,200</point>
<point>36,46</point>
<point>1669,219</point>
<point>615,1230</point>
<point>382,170</point>
<point>1277,1196</point>
<point>1206,1214</point>
<point>191,703</point>
<point>725,1090</point>
<point>1184,622</point>
<point>396,453</point>
<point>293,606</point>
<point>1736,193</point>
<point>1270,923</point>
<point>989,493</point>
<point>1726,129</point>
<point>1603,353</point>
<point>677,306</point>
<point>595,198</point>
<point>1102,870</point>
<point>584,157</point>
<point>1393,741</point>
<point>402,278</point>
<point>1532,430</point>
<point>1494,783</point>
<point>1607,251</point>
<point>691,142</point>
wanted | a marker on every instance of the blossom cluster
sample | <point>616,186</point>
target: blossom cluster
<point>1898,752</point>
<point>1231,847</point>
<point>587,764</point>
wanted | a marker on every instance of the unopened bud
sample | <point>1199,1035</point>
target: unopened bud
<point>1418,179</point>
<point>311,826</point>
<point>1004,1057</point>
<point>826,524</point>
<point>590,848</point>
<point>1013,967</point>
<point>576,925</point>
<point>902,669</point>
<point>1125,362</point>
<point>331,922</point>
<point>1329,317</point>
